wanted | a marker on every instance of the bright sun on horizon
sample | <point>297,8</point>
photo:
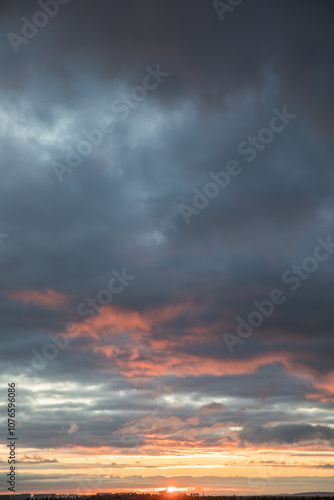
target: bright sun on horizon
<point>172,489</point>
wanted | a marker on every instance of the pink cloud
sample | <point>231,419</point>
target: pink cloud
<point>48,299</point>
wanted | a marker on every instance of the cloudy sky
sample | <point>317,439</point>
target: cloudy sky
<point>166,248</point>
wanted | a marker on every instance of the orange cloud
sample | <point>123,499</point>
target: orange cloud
<point>326,386</point>
<point>48,299</point>
<point>131,346</point>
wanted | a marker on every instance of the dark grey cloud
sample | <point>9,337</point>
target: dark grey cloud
<point>287,433</point>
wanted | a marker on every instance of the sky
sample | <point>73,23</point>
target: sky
<point>167,245</point>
